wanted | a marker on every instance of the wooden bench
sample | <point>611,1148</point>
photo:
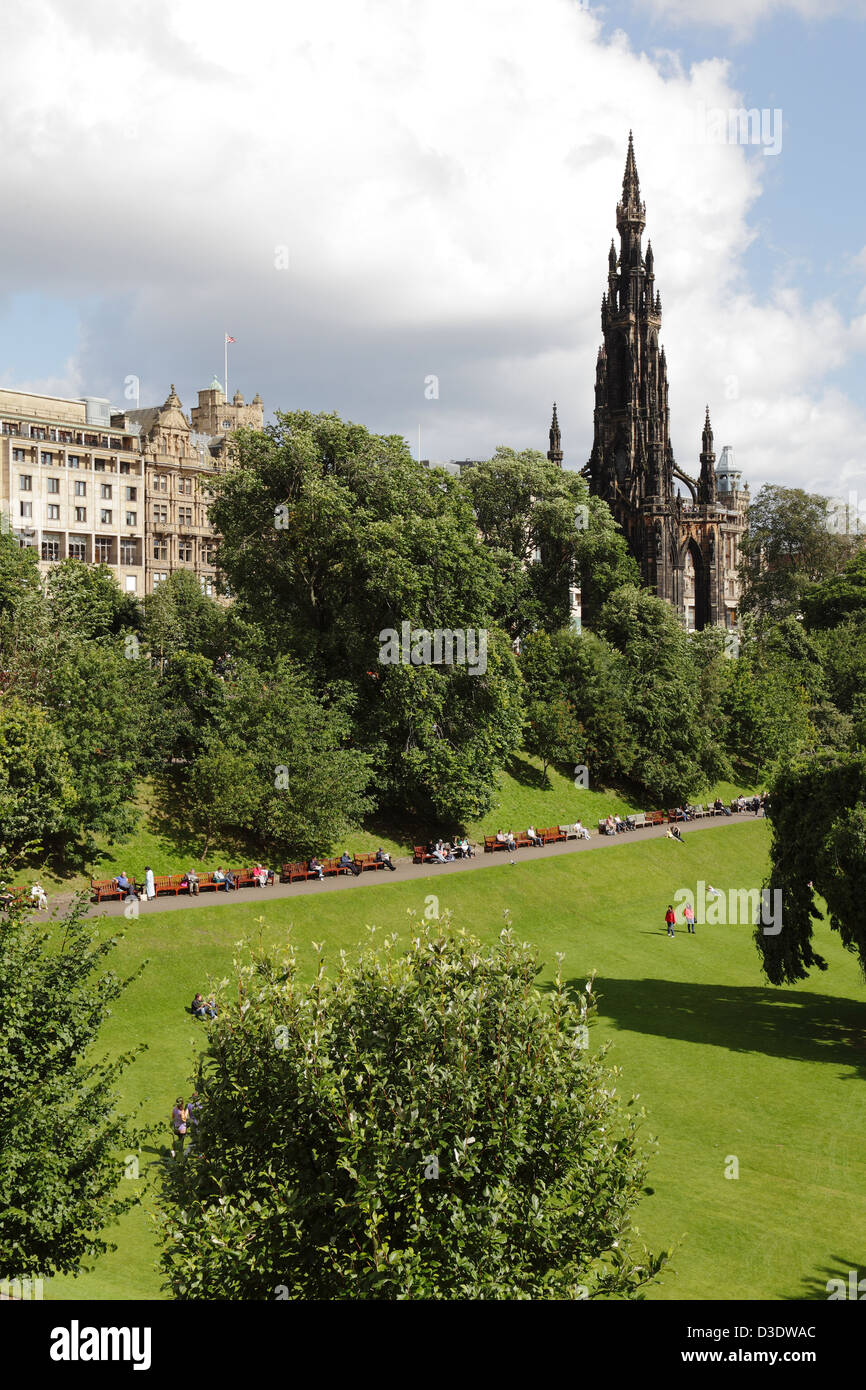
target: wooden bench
<point>333,866</point>
<point>291,873</point>
<point>169,883</point>
<point>8,896</point>
<point>421,855</point>
<point>491,844</point>
<point>639,819</point>
<point>208,884</point>
<point>674,815</point>
<point>655,817</point>
<point>107,888</point>
<point>369,861</point>
<point>552,835</point>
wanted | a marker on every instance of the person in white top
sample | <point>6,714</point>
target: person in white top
<point>149,885</point>
<point>37,893</point>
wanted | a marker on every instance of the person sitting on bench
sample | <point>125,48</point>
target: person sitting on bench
<point>466,849</point>
<point>533,836</point>
<point>510,840</point>
<point>348,863</point>
<point>315,867</point>
<point>219,877</point>
<point>383,858</point>
<point>125,886</point>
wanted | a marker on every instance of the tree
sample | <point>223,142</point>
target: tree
<point>425,1125</point>
<point>37,791</point>
<point>817,809</point>
<point>332,536</point>
<point>62,1132</point>
<point>87,600</point>
<point>788,548</point>
<point>552,733</point>
<point>547,533</point>
<point>842,596</point>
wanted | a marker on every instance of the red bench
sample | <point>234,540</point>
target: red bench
<point>290,873</point>
<point>169,883</point>
<point>107,888</point>
<point>333,866</point>
<point>369,861</point>
<point>655,817</point>
<point>421,855</point>
<point>491,844</point>
<point>552,835</point>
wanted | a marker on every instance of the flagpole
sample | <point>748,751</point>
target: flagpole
<point>226,351</point>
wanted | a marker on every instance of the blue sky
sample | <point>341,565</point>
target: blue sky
<point>443,176</point>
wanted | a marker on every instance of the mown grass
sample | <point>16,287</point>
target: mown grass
<point>726,1066</point>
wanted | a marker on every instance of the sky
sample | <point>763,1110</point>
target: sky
<point>401,210</point>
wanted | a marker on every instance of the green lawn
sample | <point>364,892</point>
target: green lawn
<point>725,1065</point>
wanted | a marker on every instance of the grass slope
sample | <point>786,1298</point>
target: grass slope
<point>725,1065</point>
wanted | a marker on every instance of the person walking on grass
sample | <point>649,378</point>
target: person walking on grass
<point>179,1123</point>
<point>689,915</point>
<point>670,918</point>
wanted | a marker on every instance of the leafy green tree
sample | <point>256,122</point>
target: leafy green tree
<point>37,791</point>
<point>63,1135</point>
<point>674,752</point>
<point>842,596</point>
<point>332,536</point>
<point>553,733</point>
<point>817,809</point>
<point>767,710</point>
<point>547,532</point>
<point>19,575</point>
<point>178,617</point>
<point>87,600</point>
<point>424,1125</point>
<point>787,549</point>
<point>278,763</point>
<point>843,653</point>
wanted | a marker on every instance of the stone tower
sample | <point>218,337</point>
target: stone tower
<point>686,550</point>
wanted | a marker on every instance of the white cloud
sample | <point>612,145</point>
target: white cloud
<point>444,177</point>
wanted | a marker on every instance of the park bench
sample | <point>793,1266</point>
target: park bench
<point>169,883</point>
<point>674,815</point>
<point>655,817</point>
<point>522,840</point>
<point>491,844</point>
<point>333,866</point>
<point>604,829</point>
<point>639,819</point>
<point>552,835</point>
<point>420,855</point>
<point>290,873</point>
<point>10,895</point>
<point>208,884</point>
<point>699,811</point>
<point>107,888</point>
<point>368,861</point>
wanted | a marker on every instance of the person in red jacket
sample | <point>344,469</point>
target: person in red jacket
<point>670,918</point>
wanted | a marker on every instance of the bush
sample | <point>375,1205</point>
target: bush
<point>424,1125</point>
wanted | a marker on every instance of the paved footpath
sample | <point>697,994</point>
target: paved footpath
<point>405,869</point>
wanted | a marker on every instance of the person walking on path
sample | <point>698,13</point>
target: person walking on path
<point>670,918</point>
<point>689,914</point>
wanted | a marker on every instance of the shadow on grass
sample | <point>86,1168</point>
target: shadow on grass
<point>795,1026</point>
<point>814,1286</point>
<point>527,775</point>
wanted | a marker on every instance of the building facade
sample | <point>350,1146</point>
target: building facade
<point>686,546</point>
<point>72,483</point>
<point>123,489</point>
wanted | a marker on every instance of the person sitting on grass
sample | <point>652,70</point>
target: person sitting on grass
<point>315,867</point>
<point>532,834</point>
<point>346,862</point>
<point>382,857</point>
<point>211,1007</point>
<point>674,834</point>
<point>198,1006</point>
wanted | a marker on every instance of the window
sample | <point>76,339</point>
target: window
<point>25,482</point>
<point>184,516</point>
<point>53,484</point>
<point>160,550</point>
<point>9,428</point>
<point>26,508</point>
<point>184,550</point>
<point>105,517</point>
<point>227,424</point>
<point>105,491</point>
<point>99,465</point>
<point>80,488</point>
<point>103,550</point>
<point>80,513</point>
<point>51,550</point>
<point>74,461</point>
<point>159,578</point>
<point>37,432</point>
<point>160,482</point>
<point>18,455</point>
<point>206,585</point>
<point>131,584</point>
<point>160,513</point>
<point>128,553</point>
<point>184,485</point>
<point>47,458</point>
<point>130,518</point>
<point>77,550</point>
<point>53,511</point>
<point>132,494</point>
<point>208,556</point>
